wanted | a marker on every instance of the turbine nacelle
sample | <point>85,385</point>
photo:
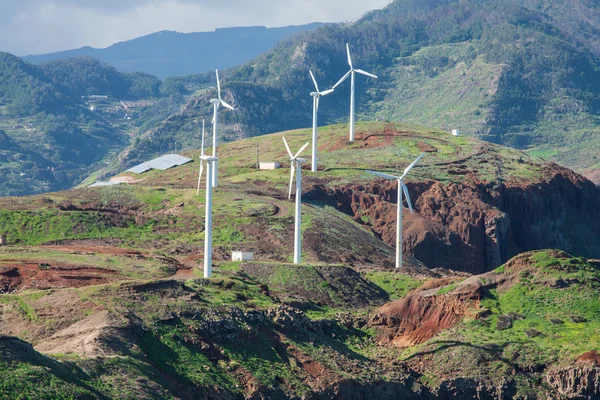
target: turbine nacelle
<point>318,93</point>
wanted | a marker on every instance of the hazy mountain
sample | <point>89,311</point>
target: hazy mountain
<point>169,53</point>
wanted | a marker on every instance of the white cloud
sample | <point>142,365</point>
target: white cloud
<point>41,26</point>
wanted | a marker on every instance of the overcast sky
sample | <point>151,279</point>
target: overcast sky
<point>43,26</point>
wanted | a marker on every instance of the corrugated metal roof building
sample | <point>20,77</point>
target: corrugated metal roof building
<point>161,163</point>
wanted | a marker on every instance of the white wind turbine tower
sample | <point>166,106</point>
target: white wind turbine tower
<point>316,96</point>
<point>216,103</point>
<point>201,161</point>
<point>210,165</point>
<point>401,187</point>
<point>296,165</point>
<point>351,75</point>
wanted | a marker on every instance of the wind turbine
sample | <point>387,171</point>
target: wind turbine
<point>351,75</point>
<point>201,161</point>
<point>296,165</point>
<point>216,103</point>
<point>316,96</point>
<point>401,187</point>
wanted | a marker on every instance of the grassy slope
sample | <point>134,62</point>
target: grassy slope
<point>566,318</point>
<point>247,196</point>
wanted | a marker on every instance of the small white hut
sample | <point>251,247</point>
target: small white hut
<point>242,256</point>
<point>270,165</point>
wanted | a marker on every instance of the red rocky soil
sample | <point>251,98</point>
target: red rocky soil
<point>19,275</point>
<point>477,226</point>
<point>419,316</point>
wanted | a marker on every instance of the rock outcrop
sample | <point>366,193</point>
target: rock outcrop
<point>476,226</point>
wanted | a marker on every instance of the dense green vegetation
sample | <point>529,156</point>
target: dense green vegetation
<point>523,74</point>
<point>61,120</point>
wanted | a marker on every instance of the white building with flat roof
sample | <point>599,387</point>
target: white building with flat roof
<point>242,256</point>
<point>270,165</point>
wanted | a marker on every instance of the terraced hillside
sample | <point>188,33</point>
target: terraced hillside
<point>101,298</point>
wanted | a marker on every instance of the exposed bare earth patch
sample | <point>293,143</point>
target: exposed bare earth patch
<point>17,275</point>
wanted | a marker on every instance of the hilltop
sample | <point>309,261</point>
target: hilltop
<point>522,74</point>
<point>167,53</point>
<point>478,204</point>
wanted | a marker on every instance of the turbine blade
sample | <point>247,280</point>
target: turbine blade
<point>292,170</point>
<point>301,150</point>
<point>326,92</point>
<point>227,105</point>
<point>342,80</point>
<point>314,80</point>
<point>405,189</point>
<point>349,57</point>
<point>360,71</point>
<point>200,177</point>
<point>382,175</point>
<point>318,97</point>
<point>288,149</point>
<point>218,85</point>
<point>202,154</point>
<point>411,166</point>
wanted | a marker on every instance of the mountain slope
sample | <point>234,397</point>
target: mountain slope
<point>523,74</point>
<point>59,120</point>
<point>169,53</point>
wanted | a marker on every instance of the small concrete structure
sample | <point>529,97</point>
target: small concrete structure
<point>242,256</point>
<point>270,165</point>
<point>3,240</point>
<point>455,132</point>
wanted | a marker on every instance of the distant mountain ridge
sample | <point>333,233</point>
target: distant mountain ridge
<point>169,53</point>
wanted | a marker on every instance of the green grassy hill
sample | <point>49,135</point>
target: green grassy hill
<point>523,333</point>
<point>468,193</point>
